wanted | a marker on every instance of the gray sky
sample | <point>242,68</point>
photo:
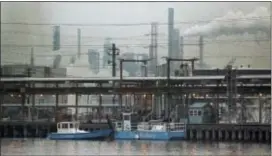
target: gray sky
<point>128,12</point>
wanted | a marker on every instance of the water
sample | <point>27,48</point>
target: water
<point>48,147</point>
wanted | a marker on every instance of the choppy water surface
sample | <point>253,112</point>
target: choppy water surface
<point>48,147</point>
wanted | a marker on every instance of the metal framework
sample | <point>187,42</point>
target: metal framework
<point>186,87</point>
<point>133,79</point>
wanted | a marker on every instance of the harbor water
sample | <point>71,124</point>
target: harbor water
<point>48,147</point>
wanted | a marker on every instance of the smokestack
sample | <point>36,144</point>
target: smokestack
<point>201,61</point>
<point>176,43</point>
<point>170,31</point>
<point>154,43</point>
<point>32,57</point>
<point>170,36</point>
<point>150,55</point>
<point>176,48</point>
<point>181,47</point>
<point>78,42</point>
<point>56,61</point>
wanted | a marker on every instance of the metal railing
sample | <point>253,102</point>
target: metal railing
<point>175,127</point>
<point>147,126</point>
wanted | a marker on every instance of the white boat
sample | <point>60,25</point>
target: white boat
<point>155,130</point>
<point>71,131</point>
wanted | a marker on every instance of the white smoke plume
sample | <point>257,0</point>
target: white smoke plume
<point>234,23</point>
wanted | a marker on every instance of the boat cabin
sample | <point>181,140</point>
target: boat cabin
<point>127,121</point>
<point>68,127</point>
<point>155,125</point>
<point>201,112</point>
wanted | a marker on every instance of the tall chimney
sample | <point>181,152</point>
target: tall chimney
<point>201,61</point>
<point>176,48</point>
<point>170,30</point>
<point>170,36</point>
<point>78,42</point>
<point>32,57</point>
<point>181,47</point>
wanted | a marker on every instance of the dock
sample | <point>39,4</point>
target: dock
<point>235,99</point>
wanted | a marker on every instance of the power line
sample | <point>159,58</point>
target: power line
<point>206,56</point>
<point>143,37</point>
<point>125,45</point>
<point>135,24</point>
<point>72,36</point>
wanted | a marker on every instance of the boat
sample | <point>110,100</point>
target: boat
<point>153,130</point>
<point>71,131</point>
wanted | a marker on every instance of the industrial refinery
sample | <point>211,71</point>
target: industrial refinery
<point>167,86</point>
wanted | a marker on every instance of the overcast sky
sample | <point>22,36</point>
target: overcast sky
<point>132,12</point>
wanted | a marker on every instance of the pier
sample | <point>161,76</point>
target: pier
<point>215,132</point>
<point>241,104</point>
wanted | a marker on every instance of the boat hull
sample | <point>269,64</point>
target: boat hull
<point>92,135</point>
<point>149,135</point>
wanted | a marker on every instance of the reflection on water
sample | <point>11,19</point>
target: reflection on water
<point>48,147</point>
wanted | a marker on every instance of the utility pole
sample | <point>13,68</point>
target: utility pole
<point>231,91</point>
<point>201,61</point>
<point>115,51</point>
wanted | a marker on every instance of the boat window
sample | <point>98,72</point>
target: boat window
<point>71,125</point>
<point>195,112</point>
<point>58,126</point>
<point>126,117</point>
<point>191,113</point>
<point>64,126</point>
<point>199,113</point>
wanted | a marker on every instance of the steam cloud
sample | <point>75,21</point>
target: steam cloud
<point>234,23</point>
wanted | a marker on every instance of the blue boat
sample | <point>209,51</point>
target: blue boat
<point>153,130</point>
<point>71,131</point>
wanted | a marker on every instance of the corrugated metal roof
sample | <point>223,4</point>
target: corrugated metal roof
<point>198,105</point>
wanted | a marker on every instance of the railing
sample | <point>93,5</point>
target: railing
<point>54,105</point>
<point>119,126</point>
<point>175,127</point>
<point>147,126</point>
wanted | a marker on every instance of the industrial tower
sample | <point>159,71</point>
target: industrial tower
<point>153,51</point>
